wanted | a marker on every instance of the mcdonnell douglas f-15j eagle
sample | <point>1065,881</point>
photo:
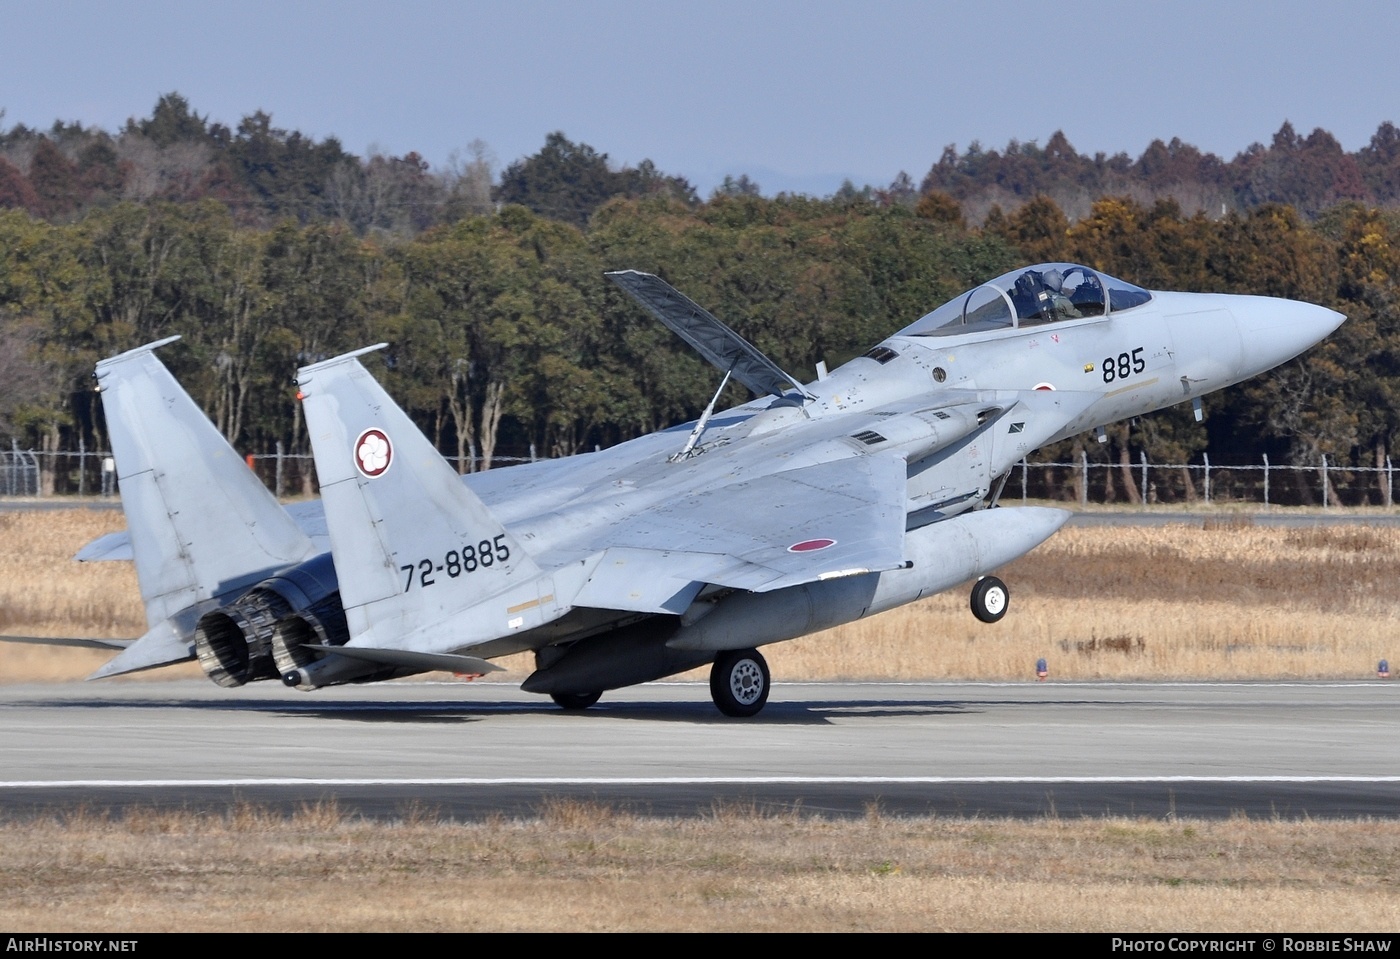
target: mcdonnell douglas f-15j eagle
<point>813,505</point>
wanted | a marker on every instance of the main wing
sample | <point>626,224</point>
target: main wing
<point>398,533</point>
<point>834,519</point>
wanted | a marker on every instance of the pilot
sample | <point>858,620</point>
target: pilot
<point>1087,295</point>
<point>1026,293</point>
<point>1055,305</point>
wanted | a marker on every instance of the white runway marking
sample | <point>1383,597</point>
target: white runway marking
<point>959,683</point>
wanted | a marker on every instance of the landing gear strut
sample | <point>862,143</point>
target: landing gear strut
<point>989,599</point>
<point>739,682</point>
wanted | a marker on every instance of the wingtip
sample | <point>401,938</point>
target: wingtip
<point>310,369</point>
<point>136,351</point>
<point>621,277</point>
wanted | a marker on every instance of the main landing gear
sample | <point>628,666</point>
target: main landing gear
<point>575,701</point>
<point>989,599</point>
<point>739,682</point>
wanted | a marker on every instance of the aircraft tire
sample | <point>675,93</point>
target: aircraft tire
<point>739,682</point>
<point>990,597</point>
<point>575,701</point>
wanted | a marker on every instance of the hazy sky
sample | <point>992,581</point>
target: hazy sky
<point>797,95</point>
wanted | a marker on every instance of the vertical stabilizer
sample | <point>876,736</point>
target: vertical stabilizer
<point>412,545</point>
<point>201,524</point>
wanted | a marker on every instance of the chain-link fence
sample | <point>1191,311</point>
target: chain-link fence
<point>46,473</point>
<point>93,473</point>
<point>19,473</point>
<point>294,474</point>
<point>1264,484</point>
<point>37,473</point>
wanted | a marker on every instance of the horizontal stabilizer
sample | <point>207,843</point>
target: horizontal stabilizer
<point>109,546</point>
<point>163,644</point>
<point>307,515</point>
<point>726,350</point>
<point>107,644</point>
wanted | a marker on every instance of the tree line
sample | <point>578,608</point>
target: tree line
<point>1310,173</point>
<point>265,174</point>
<point>504,336</point>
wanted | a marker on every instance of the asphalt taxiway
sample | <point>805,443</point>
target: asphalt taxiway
<point>1265,749</point>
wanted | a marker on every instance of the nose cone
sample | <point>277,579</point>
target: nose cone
<point>1274,331</point>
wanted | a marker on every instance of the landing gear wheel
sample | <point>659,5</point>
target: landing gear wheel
<point>739,682</point>
<point>989,599</point>
<point>575,701</point>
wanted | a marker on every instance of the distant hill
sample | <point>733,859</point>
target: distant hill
<point>265,174</point>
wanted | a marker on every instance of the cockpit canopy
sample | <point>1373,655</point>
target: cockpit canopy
<point>1030,296</point>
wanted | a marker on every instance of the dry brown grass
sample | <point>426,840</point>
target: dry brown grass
<point>1227,600</point>
<point>1220,598</point>
<point>43,592</point>
<point>1215,600</point>
<point>41,586</point>
<point>579,867</point>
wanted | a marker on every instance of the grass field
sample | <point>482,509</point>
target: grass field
<point>1220,598</point>
<point>577,867</point>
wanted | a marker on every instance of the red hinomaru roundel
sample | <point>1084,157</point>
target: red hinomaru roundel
<point>373,453</point>
<point>811,545</point>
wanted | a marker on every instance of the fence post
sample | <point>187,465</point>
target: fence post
<point>1206,457</point>
<point>1266,479</point>
<point>1024,469</point>
<point>1084,478</point>
<point>1324,480</point>
<point>279,470</point>
<point>1389,484</point>
<point>82,466</point>
<point>1143,455</point>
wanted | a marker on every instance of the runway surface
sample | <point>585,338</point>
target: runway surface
<point>1263,749</point>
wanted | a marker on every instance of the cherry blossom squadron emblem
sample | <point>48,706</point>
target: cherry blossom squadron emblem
<point>373,454</point>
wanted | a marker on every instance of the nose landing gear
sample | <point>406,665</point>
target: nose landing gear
<point>989,599</point>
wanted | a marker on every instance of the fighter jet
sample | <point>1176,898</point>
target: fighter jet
<point>815,504</point>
